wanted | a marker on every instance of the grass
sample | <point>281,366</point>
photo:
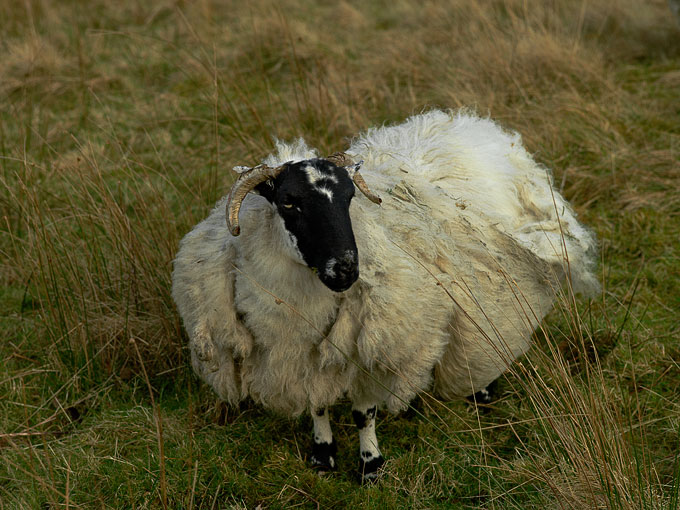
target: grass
<point>117,129</point>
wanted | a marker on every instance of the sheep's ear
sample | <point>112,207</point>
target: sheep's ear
<point>267,189</point>
<point>354,168</point>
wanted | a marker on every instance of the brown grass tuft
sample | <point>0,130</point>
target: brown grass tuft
<point>119,126</point>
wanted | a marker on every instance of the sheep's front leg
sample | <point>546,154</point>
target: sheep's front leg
<point>370,459</point>
<point>324,447</point>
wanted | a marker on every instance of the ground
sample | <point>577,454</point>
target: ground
<point>119,124</point>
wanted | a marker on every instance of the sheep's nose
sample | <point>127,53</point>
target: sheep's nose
<point>341,273</point>
<point>345,267</point>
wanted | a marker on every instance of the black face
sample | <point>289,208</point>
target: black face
<point>313,198</point>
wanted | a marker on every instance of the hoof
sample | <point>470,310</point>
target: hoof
<point>369,471</point>
<point>486,395</point>
<point>323,456</point>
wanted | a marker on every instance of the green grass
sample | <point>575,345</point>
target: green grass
<point>118,126</point>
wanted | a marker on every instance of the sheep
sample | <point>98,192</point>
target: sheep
<point>436,280</point>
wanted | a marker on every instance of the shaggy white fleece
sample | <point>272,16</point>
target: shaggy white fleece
<point>457,268</point>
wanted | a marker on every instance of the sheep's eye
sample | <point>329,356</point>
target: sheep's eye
<point>288,206</point>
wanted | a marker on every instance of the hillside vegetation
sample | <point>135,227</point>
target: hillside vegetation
<point>119,124</point>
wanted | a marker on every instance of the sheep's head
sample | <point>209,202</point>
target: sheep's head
<point>312,198</point>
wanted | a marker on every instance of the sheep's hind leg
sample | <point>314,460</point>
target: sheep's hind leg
<point>370,459</point>
<point>485,395</point>
<point>324,447</point>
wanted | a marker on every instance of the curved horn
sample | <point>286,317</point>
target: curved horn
<point>363,187</point>
<point>342,159</point>
<point>245,183</point>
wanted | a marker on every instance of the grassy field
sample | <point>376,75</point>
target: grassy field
<point>118,126</point>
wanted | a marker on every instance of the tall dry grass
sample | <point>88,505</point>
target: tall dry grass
<point>119,123</point>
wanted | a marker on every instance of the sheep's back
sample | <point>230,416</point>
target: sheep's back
<point>457,164</point>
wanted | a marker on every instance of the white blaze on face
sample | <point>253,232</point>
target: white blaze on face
<point>315,177</point>
<point>325,192</point>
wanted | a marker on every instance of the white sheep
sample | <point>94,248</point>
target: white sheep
<point>317,299</point>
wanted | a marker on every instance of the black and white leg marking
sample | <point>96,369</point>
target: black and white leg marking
<point>370,459</point>
<point>485,395</point>
<point>324,447</point>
